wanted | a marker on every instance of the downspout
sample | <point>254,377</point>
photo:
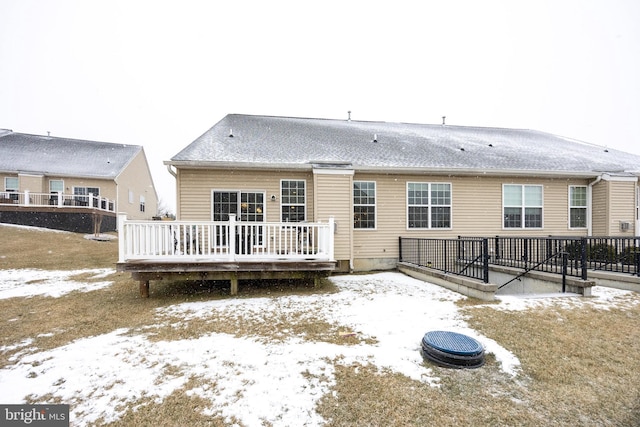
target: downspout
<point>172,172</point>
<point>590,206</point>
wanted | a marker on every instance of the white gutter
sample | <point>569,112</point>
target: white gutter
<point>172,172</point>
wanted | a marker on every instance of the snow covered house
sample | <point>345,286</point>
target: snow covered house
<point>372,183</point>
<point>383,180</point>
<point>72,184</point>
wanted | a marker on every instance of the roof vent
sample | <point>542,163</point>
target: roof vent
<point>461,148</point>
<point>606,150</point>
<point>230,133</point>
<point>349,115</point>
<point>490,145</point>
<point>375,137</point>
<point>443,120</point>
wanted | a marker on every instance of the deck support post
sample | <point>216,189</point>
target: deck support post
<point>234,283</point>
<point>144,288</point>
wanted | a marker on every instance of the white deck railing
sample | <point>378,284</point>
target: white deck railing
<point>60,200</point>
<point>202,241</point>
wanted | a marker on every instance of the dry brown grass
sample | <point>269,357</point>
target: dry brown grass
<point>579,367</point>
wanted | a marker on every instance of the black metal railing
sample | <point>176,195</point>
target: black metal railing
<point>539,254</point>
<point>463,257</point>
<point>567,256</point>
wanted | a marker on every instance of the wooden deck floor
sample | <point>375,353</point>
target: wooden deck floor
<point>146,270</point>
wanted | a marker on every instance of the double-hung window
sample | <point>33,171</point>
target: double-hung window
<point>428,205</point>
<point>11,186</point>
<point>364,204</point>
<point>292,200</point>
<point>522,206</point>
<point>578,206</point>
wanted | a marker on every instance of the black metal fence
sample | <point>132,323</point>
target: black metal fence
<point>464,256</point>
<point>571,256</point>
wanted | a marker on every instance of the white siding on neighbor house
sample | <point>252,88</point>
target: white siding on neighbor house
<point>195,187</point>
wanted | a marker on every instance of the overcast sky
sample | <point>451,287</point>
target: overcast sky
<point>159,73</point>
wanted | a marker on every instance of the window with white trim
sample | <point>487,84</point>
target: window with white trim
<point>142,204</point>
<point>293,200</point>
<point>248,206</point>
<point>364,204</point>
<point>428,205</point>
<point>81,194</point>
<point>578,206</point>
<point>11,183</point>
<point>522,206</point>
<point>56,186</point>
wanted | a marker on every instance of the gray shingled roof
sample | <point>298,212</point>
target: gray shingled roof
<point>283,141</point>
<point>63,156</point>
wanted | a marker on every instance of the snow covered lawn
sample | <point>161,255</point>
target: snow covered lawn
<point>247,378</point>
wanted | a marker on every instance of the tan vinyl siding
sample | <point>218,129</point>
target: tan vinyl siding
<point>195,187</point>
<point>476,211</point>
<point>622,207</point>
<point>333,198</point>
<point>32,183</point>
<point>600,210</point>
<point>136,178</point>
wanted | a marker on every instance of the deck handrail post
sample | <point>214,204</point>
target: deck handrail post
<point>231,250</point>
<point>26,197</point>
<point>60,201</point>
<point>122,217</point>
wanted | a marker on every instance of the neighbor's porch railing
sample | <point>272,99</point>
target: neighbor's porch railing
<point>59,199</point>
<point>223,240</point>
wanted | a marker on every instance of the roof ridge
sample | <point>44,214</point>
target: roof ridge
<point>51,137</point>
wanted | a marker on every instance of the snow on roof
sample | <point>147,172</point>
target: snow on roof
<point>285,141</point>
<point>63,156</point>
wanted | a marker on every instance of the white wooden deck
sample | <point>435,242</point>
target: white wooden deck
<point>229,250</point>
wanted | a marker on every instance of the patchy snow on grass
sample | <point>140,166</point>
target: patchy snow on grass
<point>257,381</point>
<point>31,282</point>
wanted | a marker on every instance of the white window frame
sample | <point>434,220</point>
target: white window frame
<point>429,206</point>
<point>585,207</point>
<point>303,204</point>
<point>51,181</point>
<point>523,206</point>
<point>374,205</point>
<point>6,186</point>
<point>143,206</point>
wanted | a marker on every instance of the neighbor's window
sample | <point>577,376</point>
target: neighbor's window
<point>428,205</point>
<point>522,206</point>
<point>292,200</point>
<point>56,186</point>
<point>10,183</point>
<point>364,204</point>
<point>142,204</point>
<point>81,194</point>
<point>578,206</point>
